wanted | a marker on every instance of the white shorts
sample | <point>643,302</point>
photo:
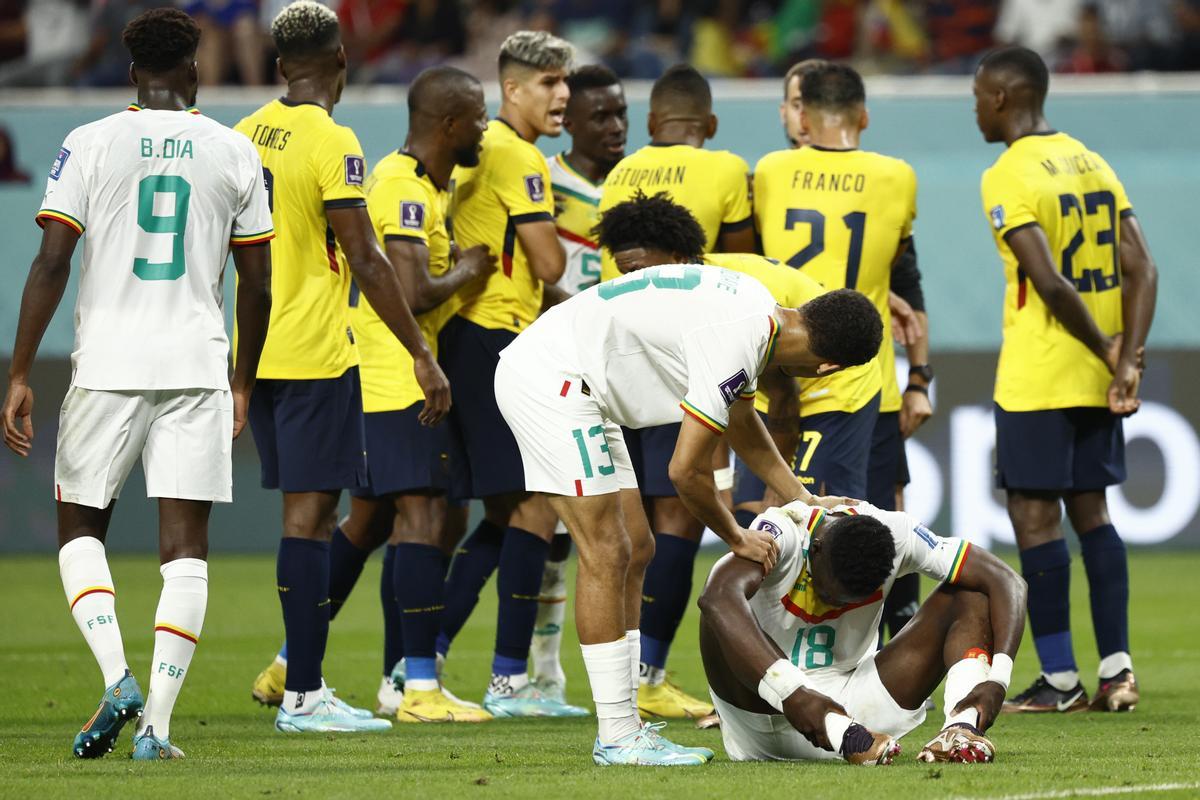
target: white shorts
<point>748,736</point>
<point>567,445</point>
<point>184,438</point>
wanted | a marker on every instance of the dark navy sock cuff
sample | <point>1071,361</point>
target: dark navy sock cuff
<point>1048,556</point>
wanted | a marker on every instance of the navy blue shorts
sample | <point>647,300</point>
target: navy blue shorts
<point>831,459</point>
<point>1059,450</point>
<point>887,466</point>
<point>492,465</point>
<point>650,450</point>
<point>309,434</point>
<point>403,455</point>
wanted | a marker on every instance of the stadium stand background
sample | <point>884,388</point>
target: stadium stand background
<point>1143,123</point>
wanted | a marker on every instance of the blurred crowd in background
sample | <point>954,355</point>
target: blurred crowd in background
<point>77,42</point>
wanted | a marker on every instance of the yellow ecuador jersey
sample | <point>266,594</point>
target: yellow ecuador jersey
<point>712,184</point>
<point>511,186</point>
<point>311,163</point>
<point>1053,181</point>
<point>839,215</point>
<point>405,205</point>
<point>848,390</point>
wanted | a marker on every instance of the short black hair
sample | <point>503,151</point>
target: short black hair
<point>799,70</point>
<point>861,553</point>
<point>844,327</point>
<point>1023,63</point>
<point>682,89</point>
<point>591,76</point>
<point>305,29</point>
<point>161,39</point>
<point>652,222</point>
<point>833,87</point>
<point>438,90</point>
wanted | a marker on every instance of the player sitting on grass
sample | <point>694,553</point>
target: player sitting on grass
<point>790,654</point>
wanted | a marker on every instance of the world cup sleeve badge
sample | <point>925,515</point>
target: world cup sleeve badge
<point>997,215</point>
<point>412,215</point>
<point>535,187</point>
<point>354,170</point>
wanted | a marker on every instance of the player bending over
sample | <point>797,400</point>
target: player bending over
<point>678,342</point>
<point>163,194</point>
<point>790,654</point>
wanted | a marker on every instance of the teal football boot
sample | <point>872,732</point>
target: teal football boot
<point>327,718</point>
<point>653,730</point>
<point>529,701</point>
<point>644,748</point>
<point>121,703</point>
<point>148,747</point>
<point>343,706</point>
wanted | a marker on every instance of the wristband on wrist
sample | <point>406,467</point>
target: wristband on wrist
<point>723,478</point>
<point>779,682</point>
<point>1001,671</point>
<point>916,387</point>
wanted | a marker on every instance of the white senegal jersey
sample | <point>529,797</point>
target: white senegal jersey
<point>658,340</point>
<point>815,636</point>
<point>577,210</point>
<point>159,197</point>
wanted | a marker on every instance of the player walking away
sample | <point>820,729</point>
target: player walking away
<point>1069,370</point>
<point>791,654</point>
<point>505,203</point>
<point>595,117</point>
<point>163,194</point>
<point>664,343</point>
<point>306,413</point>
<point>714,186</point>
<point>844,216</point>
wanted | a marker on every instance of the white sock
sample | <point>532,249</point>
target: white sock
<point>633,641</point>
<point>653,676</point>
<point>835,729</point>
<point>547,629</point>
<point>1112,665</point>
<point>960,680</point>
<point>1063,681</point>
<point>501,685</point>
<point>302,702</point>
<point>92,598</point>
<point>177,624</point>
<point>609,674</point>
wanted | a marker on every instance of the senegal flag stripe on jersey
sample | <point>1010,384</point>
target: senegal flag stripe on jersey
<point>58,216</point>
<point>702,418</point>
<point>960,558</point>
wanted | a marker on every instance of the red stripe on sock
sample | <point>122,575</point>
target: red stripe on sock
<point>566,388</point>
<point>176,631</point>
<point>58,492</point>
<point>92,591</point>
<point>578,488</point>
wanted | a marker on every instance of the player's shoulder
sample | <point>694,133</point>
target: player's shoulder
<point>502,144</point>
<point>883,163</point>
<point>400,174</point>
<point>100,129</point>
<point>775,160</point>
<point>727,160</point>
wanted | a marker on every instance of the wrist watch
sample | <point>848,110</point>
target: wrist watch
<point>924,370</point>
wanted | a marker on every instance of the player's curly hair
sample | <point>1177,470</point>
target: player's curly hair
<point>861,552</point>
<point>304,29</point>
<point>160,39</point>
<point>651,222</point>
<point>843,327</point>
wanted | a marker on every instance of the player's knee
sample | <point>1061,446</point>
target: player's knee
<point>641,553</point>
<point>672,517</point>
<point>604,553</point>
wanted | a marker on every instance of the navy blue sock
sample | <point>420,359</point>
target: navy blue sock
<point>474,562</point>
<point>1047,570</point>
<point>744,517</point>
<point>345,566</point>
<point>393,633</point>
<point>1108,584</point>
<point>522,561</point>
<point>665,594</point>
<point>302,575</point>
<point>419,578</point>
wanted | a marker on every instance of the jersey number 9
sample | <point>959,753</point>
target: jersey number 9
<point>174,223</point>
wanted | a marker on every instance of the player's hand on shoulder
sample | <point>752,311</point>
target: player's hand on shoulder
<point>832,501</point>
<point>18,418</point>
<point>757,546</point>
<point>434,386</point>
<point>805,710</point>
<point>986,698</point>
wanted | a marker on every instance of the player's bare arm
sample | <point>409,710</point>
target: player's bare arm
<point>736,240</point>
<point>539,240</point>
<point>1032,250</point>
<point>749,652</point>
<point>916,407</point>
<point>253,265</point>
<point>381,285</point>
<point>424,291</point>
<point>1139,291</point>
<point>552,295</point>
<point>43,291</point>
<point>692,474</point>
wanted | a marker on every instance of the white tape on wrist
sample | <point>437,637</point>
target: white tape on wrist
<point>835,729</point>
<point>779,682</point>
<point>1001,671</point>
<point>723,478</point>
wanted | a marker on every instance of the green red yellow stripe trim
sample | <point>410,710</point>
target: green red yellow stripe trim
<point>960,558</point>
<point>772,340</point>
<point>58,216</point>
<point>702,418</point>
<point>814,519</point>
<point>252,238</point>
<point>140,107</point>
<point>92,590</point>
<point>180,632</point>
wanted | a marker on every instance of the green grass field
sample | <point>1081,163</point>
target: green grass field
<point>233,750</point>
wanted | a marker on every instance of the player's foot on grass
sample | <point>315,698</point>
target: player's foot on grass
<point>1041,697</point>
<point>398,674</point>
<point>388,698</point>
<point>959,744</point>
<point>645,748</point>
<point>343,706</point>
<point>327,717</point>
<point>529,702</point>
<point>654,731</point>
<point>121,703</point>
<point>865,748</point>
<point>555,690</point>
<point>1119,693</point>
<point>435,706</point>
<point>148,747</point>
<point>668,701</point>
<point>268,686</point>
<point>712,720</point>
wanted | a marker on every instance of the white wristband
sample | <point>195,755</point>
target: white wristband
<point>1001,671</point>
<point>723,478</point>
<point>779,682</point>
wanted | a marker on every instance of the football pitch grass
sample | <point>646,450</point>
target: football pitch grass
<point>52,686</point>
